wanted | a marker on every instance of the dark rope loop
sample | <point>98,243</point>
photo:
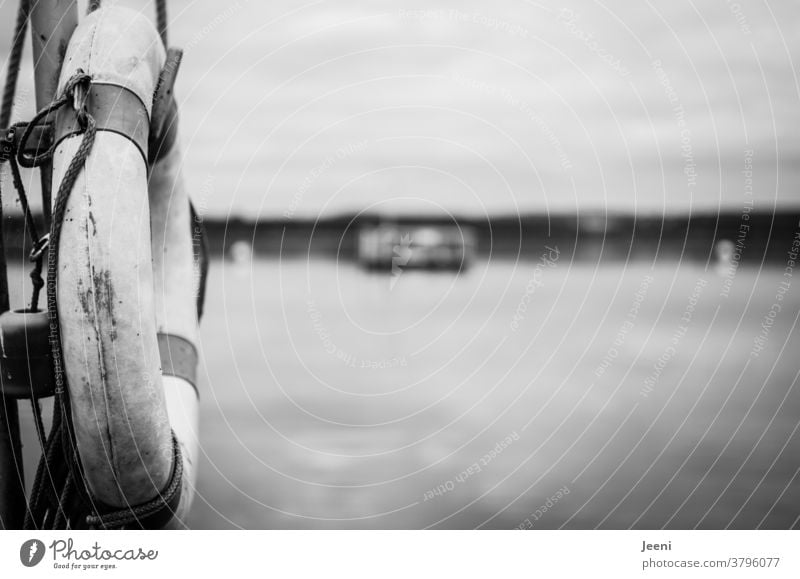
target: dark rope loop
<point>125,517</point>
<point>79,81</point>
<point>16,177</point>
<point>75,89</point>
<point>29,161</point>
<point>30,223</point>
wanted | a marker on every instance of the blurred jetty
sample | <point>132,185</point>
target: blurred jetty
<point>391,246</point>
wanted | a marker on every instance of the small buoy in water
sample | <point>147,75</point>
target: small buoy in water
<point>723,251</point>
<point>240,253</point>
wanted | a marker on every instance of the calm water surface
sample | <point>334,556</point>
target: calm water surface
<point>333,398</point>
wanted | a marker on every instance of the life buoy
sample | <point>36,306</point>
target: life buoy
<point>126,304</point>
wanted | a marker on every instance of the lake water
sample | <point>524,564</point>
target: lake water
<point>334,398</point>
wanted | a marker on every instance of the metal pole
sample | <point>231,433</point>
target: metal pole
<point>12,483</point>
<point>12,494</point>
<point>52,23</point>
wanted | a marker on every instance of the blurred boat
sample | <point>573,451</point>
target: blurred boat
<point>392,246</point>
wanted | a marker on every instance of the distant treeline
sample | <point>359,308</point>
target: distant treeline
<point>758,237</point>
<point>755,237</point>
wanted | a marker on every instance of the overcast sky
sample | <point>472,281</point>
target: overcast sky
<point>294,109</point>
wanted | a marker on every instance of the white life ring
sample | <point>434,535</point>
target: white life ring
<point>125,297</point>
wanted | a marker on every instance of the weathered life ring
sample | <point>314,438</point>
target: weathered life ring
<point>126,301</point>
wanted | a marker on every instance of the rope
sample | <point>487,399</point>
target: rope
<point>76,165</point>
<point>38,509</point>
<point>6,108</point>
<point>47,505</point>
<point>52,468</point>
<point>14,60</point>
<point>123,518</point>
<point>40,118</point>
<point>30,225</point>
<point>35,160</point>
<point>162,21</point>
<point>30,222</point>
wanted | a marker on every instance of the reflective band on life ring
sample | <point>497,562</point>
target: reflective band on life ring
<point>164,120</point>
<point>178,358</point>
<point>114,108</point>
<point>162,142</point>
